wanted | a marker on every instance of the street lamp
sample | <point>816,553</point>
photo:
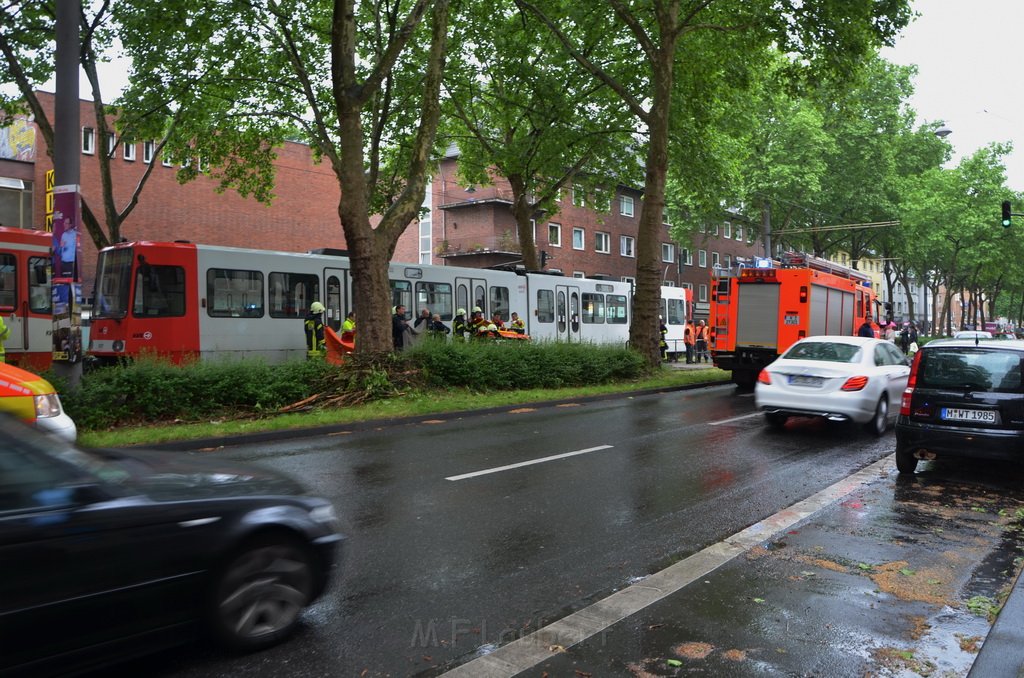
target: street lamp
<point>942,131</point>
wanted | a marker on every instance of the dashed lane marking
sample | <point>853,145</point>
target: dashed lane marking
<point>531,462</point>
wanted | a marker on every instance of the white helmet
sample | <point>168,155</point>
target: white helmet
<point>316,307</point>
<point>492,328</point>
<point>477,309</point>
<point>461,311</point>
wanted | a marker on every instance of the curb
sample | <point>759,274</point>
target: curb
<point>1000,654</point>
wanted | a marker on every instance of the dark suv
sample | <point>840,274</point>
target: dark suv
<point>964,399</point>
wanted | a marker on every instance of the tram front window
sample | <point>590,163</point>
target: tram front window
<point>113,283</point>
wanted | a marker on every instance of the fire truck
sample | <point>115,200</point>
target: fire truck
<point>759,312</point>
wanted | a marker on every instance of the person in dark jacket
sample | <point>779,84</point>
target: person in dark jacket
<point>399,328</point>
<point>315,346</point>
<point>867,329</point>
<point>459,325</point>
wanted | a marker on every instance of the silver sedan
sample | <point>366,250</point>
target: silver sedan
<point>837,378</point>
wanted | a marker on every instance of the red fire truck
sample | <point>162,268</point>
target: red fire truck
<point>758,313</point>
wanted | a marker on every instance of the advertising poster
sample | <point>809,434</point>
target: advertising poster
<point>67,246</point>
<point>67,321</point>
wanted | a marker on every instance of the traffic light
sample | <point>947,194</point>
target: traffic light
<point>544,258</point>
<point>1006,214</point>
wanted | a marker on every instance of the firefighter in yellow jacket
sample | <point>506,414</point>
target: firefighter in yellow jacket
<point>315,342</point>
<point>4,333</point>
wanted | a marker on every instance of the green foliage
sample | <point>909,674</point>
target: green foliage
<point>152,390</point>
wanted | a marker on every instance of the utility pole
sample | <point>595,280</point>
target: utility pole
<point>66,280</point>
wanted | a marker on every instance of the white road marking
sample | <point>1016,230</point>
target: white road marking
<point>498,469</point>
<point>729,421</point>
<point>527,652</point>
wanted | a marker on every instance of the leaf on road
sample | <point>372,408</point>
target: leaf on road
<point>758,600</point>
<point>864,566</point>
<point>673,662</point>
<point>906,571</point>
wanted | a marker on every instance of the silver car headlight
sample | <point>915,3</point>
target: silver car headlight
<point>324,514</point>
<point>47,405</point>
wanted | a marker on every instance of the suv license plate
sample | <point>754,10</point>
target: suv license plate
<point>961,414</point>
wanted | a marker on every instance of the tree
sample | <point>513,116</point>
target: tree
<point>360,82</point>
<point>682,60</point>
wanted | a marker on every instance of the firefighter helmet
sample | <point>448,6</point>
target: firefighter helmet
<point>316,307</point>
<point>461,311</point>
<point>477,309</point>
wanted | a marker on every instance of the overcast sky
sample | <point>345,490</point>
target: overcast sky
<point>968,58</point>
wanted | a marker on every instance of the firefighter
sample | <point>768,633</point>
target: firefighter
<point>517,324</point>
<point>315,344</point>
<point>459,326</point>
<point>497,321</point>
<point>662,344</point>
<point>4,333</point>
<point>478,320</point>
<point>350,322</point>
<point>701,340</point>
<point>688,341</point>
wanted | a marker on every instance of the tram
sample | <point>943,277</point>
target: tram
<point>25,264</point>
<point>185,301</point>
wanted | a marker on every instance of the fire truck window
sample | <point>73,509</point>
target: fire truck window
<point>8,277</point>
<point>545,306</point>
<point>435,296</point>
<point>292,293</point>
<point>234,294</point>
<point>617,309</point>
<point>159,291</point>
<point>39,299</point>
<point>593,308</point>
<point>499,302</point>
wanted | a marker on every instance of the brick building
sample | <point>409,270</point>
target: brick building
<point>462,226</point>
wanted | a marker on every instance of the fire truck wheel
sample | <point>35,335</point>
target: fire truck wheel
<point>880,422</point>
<point>775,420</point>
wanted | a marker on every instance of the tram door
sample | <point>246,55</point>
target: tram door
<point>470,292</point>
<point>567,312</point>
<point>338,301</point>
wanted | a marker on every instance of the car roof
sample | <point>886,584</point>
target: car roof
<point>969,342</point>
<point>842,339</point>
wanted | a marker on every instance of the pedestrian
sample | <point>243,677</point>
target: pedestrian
<point>314,325</point>
<point>688,339</point>
<point>911,335</point>
<point>436,328</point>
<point>890,332</point>
<point>459,325</point>
<point>662,343</point>
<point>867,329</point>
<point>905,337</point>
<point>420,326</point>
<point>399,328</point>
<point>701,342</point>
<point>517,324</point>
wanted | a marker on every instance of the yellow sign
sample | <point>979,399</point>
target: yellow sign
<point>49,180</point>
<point>48,223</point>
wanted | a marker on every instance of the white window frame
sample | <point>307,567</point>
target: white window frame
<point>88,141</point>
<point>165,160</point>
<point>716,260</point>
<point>111,144</point>
<point>627,246</point>
<point>702,258</point>
<point>579,274</point>
<point>626,205</point>
<point>148,151</point>
<point>668,252</point>
<point>727,229</point>
<point>129,151</point>
<point>714,230</point>
<point>579,197</point>
<point>686,255</point>
<point>582,236</point>
<point>738,232</point>
<point>702,293</point>
<point>602,242</point>
<point>668,283</point>
<point>557,229</point>
<point>727,261</point>
<point>687,286</point>
<point>629,279</point>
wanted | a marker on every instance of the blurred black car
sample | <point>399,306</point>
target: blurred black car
<point>105,555</point>
<point>965,399</point>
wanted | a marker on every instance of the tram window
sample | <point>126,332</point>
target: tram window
<point>499,302</point>
<point>545,306</point>
<point>435,296</point>
<point>113,283</point>
<point>159,290</point>
<point>462,297</point>
<point>593,308</point>
<point>234,294</point>
<point>479,299</point>
<point>401,295</point>
<point>292,293</point>
<point>8,278</point>
<point>39,299</point>
<point>616,310</point>
<point>676,312</point>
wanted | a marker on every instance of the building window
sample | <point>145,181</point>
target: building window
<point>627,246</point>
<point>739,232</point>
<point>702,293</point>
<point>714,230</point>
<point>686,256</point>
<point>166,160</point>
<point>111,144</point>
<point>555,235</point>
<point>728,261</point>
<point>577,238</point>
<point>88,140</point>
<point>727,229</point>
<point>129,151</point>
<point>688,286</point>
<point>148,151</point>
<point>716,260</point>
<point>668,252</point>
<point>578,196</point>
<point>702,258</point>
<point>626,205</point>
<point>664,218</point>
<point>602,242</point>
<point>667,283</point>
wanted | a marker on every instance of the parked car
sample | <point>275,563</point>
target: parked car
<point>838,378</point>
<point>32,399</point>
<point>972,334</point>
<point>110,554</point>
<point>964,399</point>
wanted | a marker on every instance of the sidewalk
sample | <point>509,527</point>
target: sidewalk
<point>877,575</point>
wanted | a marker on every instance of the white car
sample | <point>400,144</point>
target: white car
<point>838,378</point>
<point>972,334</point>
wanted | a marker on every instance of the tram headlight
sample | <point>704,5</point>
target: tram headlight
<point>118,346</point>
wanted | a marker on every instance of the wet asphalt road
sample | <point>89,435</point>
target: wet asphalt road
<point>437,569</point>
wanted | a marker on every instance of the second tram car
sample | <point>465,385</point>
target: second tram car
<point>25,296</point>
<point>185,300</point>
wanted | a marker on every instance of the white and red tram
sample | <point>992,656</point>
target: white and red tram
<point>185,300</point>
<point>25,263</point>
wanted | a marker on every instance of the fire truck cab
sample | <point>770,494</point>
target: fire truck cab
<point>758,313</point>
